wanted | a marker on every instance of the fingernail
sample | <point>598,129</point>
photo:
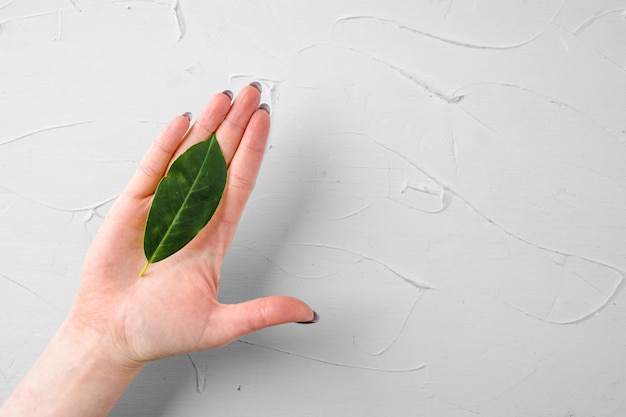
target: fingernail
<point>228,93</point>
<point>315,319</point>
<point>265,107</point>
<point>188,115</point>
<point>257,85</point>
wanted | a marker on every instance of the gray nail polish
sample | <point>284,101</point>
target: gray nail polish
<point>188,115</point>
<point>265,107</point>
<point>315,319</point>
<point>228,93</point>
<point>257,85</point>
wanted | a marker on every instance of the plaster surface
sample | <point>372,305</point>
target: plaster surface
<point>444,184</point>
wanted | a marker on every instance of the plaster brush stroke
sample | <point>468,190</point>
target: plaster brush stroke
<point>353,213</point>
<point>593,19</point>
<point>584,312</point>
<point>3,23</point>
<point>338,364</point>
<point>82,170</point>
<point>393,317</point>
<point>201,374</point>
<point>412,195</point>
<point>75,5</point>
<point>443,39</point>
<point>599,285</point>
<point>409,279</point>
<point>574,153</point>
<point>590,190</point>
<point>543,96</point>
<point>363,285</point>
<point>59,26</point>
<point>436,37</point>
<point>90,209</point>
<point>405,321</point>
<point>8,206</point>
<point>608,45</point>
<point>615,51</point>
<point>44,129</point>
<point>178,16</point>
<point>449,98</point>
<point>25,288</point>
<point>283,269</point>
<point>418,192</point>
<point>6,4</point>
<point>29,9</point>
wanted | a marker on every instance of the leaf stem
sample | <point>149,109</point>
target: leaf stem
<point>143,271</point>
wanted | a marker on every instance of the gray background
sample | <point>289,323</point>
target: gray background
<point>444,184</point>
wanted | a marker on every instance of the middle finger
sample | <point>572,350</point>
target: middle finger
<point>231,130</point>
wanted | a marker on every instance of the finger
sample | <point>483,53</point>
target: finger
<point>233,321</point>
<point>246,162</point>
<point>236,121</point>
<point>244,169</point>
<point>155,162</point>
<point>213,114</point>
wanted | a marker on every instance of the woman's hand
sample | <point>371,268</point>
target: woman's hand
<point>121,321</point>
<point>173,309</point>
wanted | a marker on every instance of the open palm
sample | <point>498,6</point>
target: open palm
<point>174,309</point>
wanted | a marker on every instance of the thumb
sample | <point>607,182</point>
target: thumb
<point>237,320</point>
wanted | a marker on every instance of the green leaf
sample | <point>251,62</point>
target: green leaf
<point>185,200</point>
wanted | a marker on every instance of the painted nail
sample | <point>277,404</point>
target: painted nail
<point>228,93</point>
<point>315,319</point>
<point>265,107</point>
<point>188,115</point>
<point>257,85</point>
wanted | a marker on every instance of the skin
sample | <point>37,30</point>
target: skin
<point>119,322</point>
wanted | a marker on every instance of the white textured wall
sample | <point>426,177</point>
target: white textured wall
<point>445,184</point>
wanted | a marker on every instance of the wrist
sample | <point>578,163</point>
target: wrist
<point>81,372</point>
<point>96,349</point>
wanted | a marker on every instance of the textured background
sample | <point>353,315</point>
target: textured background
<point>445,184</point>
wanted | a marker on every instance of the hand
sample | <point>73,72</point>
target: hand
<point>119,320</point>
<point>174,309</point>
